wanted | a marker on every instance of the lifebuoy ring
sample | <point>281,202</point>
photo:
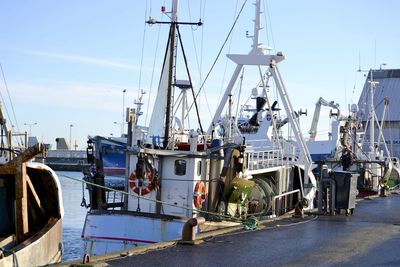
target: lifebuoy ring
<point>141,186</point>
<point>199,194</point>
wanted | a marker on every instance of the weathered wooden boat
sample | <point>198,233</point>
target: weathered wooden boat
<point>31,208</point>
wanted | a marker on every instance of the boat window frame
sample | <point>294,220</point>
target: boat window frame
<point>180,167</point>
<point>198,170</point>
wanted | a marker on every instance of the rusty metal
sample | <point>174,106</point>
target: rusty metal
<point>12,166</point>
<point>189,229</point>
<point>85,259</point>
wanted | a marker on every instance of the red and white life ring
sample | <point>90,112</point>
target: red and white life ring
<point>199,194</point>
<point>141,186</point>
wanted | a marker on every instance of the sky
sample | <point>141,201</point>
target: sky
<point>68,62</point>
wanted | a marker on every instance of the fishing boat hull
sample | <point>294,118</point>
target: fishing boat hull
<point>102,232</point>
<point>31,212</point>
<point>111,231</point>
<point>44,248</point>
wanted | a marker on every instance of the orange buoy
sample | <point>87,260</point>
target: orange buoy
<point>141,186</point>
<point>199,194</point>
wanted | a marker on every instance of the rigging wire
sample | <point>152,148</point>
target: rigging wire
<point>267,17</point>
<point>383,137</point>
<point>1,95</point>
<point>354,88</point>
<point>153,70</point>
<point>390,132</point>
<point>199,62</point>
<point>238,98</point>
<point>201,56</point>
<point>141,57</point>
<point>366,126</point>
<point>384,122</point>
<point>226,60</point>
<point>190,79</point>
<point>11,103</point>
<point>219,54</point>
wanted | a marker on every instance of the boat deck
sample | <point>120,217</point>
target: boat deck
<point>370,237</point>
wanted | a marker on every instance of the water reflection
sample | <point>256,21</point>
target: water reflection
<point>74,214</point>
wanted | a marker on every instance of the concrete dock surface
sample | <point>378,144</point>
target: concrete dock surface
<point>370,237</point>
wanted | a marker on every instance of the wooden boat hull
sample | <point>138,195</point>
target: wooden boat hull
<point>31,234</point>
<point>43,248</point>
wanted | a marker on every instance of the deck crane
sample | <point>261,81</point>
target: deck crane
<point>321,102</point>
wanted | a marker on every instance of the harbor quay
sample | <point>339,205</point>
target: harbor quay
<point>369,237</point>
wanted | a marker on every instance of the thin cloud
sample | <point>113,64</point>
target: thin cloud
<point>67,95</point>
<point>85,59</point>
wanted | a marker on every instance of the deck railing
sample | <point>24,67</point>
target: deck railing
<point>264,154</point>
<point>264,159</point>
<point>275,202</point>
<point>114,200</point>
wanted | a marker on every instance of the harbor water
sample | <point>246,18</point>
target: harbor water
<point>74,214</point>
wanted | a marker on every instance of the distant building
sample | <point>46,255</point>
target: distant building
<point>64,159</point>
<point>387,91</point>
<point>32,141</point>
<point>61,144</point>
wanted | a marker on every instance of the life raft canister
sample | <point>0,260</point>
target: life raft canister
<point>141,186</point>
<point>199,194</point>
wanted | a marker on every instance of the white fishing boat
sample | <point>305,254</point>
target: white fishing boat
<point>180,178</point>
<point>31,208</point>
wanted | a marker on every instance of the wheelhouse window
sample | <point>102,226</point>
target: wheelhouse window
<point>180,167</point>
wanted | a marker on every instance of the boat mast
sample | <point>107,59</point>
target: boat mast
<point>258,57</point>
<point>164,99</point>
<point>172,43</point>
<point>255,57</point>
<point>372,85</point>
<point>257,27</point>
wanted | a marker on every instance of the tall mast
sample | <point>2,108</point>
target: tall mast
<point>257,26</point>
<point>172,41</point>
<point>258,57</point>
<point>372,112</point>
<point>253,58</point>
<point>161,118</point>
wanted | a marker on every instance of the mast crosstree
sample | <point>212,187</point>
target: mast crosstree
<point>167,81</point>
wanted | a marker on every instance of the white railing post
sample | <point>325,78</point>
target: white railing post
<point>280,196</point>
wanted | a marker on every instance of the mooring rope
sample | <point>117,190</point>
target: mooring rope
<point>214,214</point>
<point>227,217</point>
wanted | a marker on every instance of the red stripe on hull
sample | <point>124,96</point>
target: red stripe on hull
<point>119,239</point>
<point>114,171</point>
